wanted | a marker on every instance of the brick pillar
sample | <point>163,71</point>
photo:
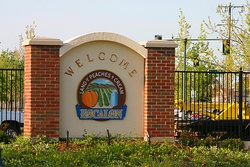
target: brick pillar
<point>41,87</point>
<point>159,89</point>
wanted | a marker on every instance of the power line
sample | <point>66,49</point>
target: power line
<point>209,39</point>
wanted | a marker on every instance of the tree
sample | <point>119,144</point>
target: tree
<point>234,31</point>
<point>11,78</point>
<point>30,34</point>
<point>197,50</point>
<point>234,35</point>
<point>244,42</point>
<point>199,57</point>
<point>14,59</point>
<point>10,60</point>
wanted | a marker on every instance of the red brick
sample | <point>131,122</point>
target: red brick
<point>159,79</point>
<point>41,80</point>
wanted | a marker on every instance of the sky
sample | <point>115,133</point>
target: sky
<point>139,20</point>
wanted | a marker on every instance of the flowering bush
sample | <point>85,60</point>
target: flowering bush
<point>119,152</point>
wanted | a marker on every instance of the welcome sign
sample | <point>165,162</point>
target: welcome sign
<point>102,85</point>
<point>101,96</point>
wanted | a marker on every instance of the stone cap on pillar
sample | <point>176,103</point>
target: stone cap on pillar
<point>159,44</point>
<point>42,41</point>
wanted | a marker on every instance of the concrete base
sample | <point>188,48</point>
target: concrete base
<point>160,139</point>
<point>246,143</point>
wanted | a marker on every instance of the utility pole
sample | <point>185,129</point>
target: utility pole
<point>230,8</point>
<point>184,71</point>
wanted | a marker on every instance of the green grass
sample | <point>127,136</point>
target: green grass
<point>121,152</point>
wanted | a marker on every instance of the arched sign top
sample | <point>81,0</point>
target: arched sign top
<point>103,36</point>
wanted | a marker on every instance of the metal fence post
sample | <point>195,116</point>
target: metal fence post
<point>108,135</point>
<point>67,139</point>
<point>240,102</point>
<point>149,140</point>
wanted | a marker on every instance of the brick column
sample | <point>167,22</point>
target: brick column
<point>159,89</point>
<point>41,87</point>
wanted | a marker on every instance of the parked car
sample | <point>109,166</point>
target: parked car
<point>12,121</point>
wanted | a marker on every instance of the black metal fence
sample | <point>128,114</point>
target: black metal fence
<point>212,103</point>
<point>11,97</point>
<point>206,103</point>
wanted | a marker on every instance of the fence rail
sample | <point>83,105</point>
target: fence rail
<point>213,103</point>
<point>207,103</point>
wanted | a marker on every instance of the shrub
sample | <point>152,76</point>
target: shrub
<point>233,144</point>
<point>93,151</point>
<point>4,137</point>
<point>209,141</point>
<point>188,138</point>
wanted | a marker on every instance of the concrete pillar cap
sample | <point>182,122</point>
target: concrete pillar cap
<point>159,44</point>
<point>42,41</point>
